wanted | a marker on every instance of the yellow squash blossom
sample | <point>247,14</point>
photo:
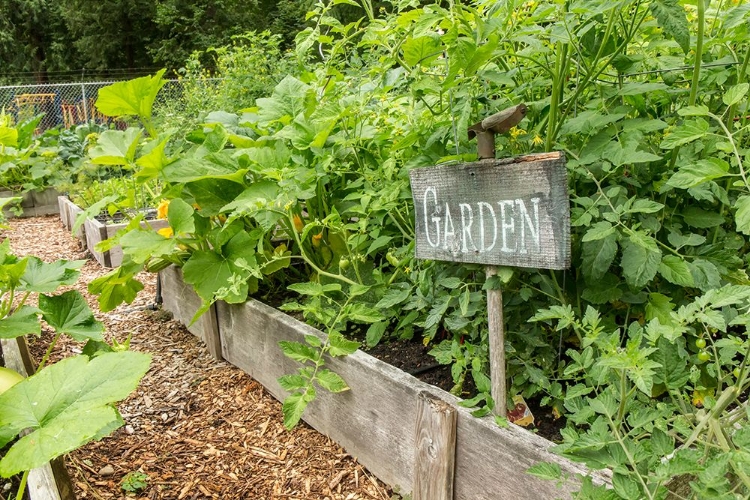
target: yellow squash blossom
<point>162,209</point>
<point>167,232</point>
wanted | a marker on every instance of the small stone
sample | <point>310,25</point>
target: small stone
<point>129,429</point>
<point>107,470</point>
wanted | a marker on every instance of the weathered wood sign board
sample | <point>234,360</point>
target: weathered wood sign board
<point>506,212</point>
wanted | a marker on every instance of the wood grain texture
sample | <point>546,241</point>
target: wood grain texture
<point>496,341</point>
<point>374,420</point>
<point>35,203</point>
<point>95,232</point>
<point>509,212</point>
<point>434,460</point>
<point>68,213</point>
<point>181,300</point>
<point>42,482</point>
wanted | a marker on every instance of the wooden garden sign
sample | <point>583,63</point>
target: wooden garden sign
<point>506,212</point>
<point>497,212</point>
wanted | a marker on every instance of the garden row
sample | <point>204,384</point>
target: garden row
<point>304,199</point>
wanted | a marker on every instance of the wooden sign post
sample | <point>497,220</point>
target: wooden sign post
<point>497,212</point>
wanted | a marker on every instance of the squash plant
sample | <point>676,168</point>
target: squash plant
<point>65,405</point>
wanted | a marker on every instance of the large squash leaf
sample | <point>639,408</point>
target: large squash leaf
<point>66,405</point>
<point>69,313</point>
<point>45,277</point>
<point>130,98</point>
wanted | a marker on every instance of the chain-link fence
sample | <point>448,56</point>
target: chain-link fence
<point>71,104</point>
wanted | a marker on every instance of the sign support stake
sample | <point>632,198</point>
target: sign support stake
<point>497,347</point>
<point>485,133</point>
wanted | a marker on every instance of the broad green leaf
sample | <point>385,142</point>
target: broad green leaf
<point>672,19</point>
<point>742,215</point>
<point>702,171</point>
<point>545,470</point>
<point>142,244</point>
<point>375,333</point>
<point>705,274</point>
<point>393,297</point>
<point>213,194</point>
<point>69,313</point>
<point>640,260</point>
<point>46,278</point>
<point>288,100</point>
<point>23,321</point>
<point>378,243</point>
<point>674,371</point>
<point>659,306</point>
<point>598,231</point>
<point>226,275</point>
<point>603,290</point>
<point>645,206</point>
<point>180,217</point>
<point>294,406</point>
<point>291,383</point>
<point>299,352</point>
<point>703,219</point>
<point>8,136</point>
<point>216,139</point>
<point>117,286</point>
<point>363,313</point>
<point>736,94</point>
<point>209,167</point>
<point>693,111</point>
<point>676,271</point>
<point>314,289</point>
<point>626,486</point>
<point>131,98</point>
<point>598,256</point>
<point>152,163</point>
<point>66,405</point>
<point>339,346</point>
<point>689,131</point>
<point>331,381</point>
<point>422,50</point>
<point>116,147</point>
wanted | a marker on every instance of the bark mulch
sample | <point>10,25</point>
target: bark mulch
<point>197,428</point>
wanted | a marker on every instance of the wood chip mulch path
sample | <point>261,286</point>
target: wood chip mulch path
<point>198,428</point>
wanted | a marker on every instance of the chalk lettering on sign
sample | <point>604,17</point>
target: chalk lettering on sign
<point>518,224</point>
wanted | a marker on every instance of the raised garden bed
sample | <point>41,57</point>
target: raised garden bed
<point>94,231</point>
<point>375,420</point>
<point>34,203</point>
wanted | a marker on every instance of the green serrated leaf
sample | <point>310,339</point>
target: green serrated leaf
<point>742,215</point>
<point>130,98</point>
<point>66,405</point>
<point>598,256</point>
<point>69,313</point>
<point>331,381</point>
<point>698,173</point>
<point>117,286</point>
<point>180,216</point>
<point>690,131</point>
<point>676,271</point>
<point>299,352</point>
<point>339,346</point>
<point>42,277</point>
<point>375,333</point>
<point>736,93</point>
<point>640,260</point>
<point>672,19</point>
<point>545,470</point>
<point>24,321</point>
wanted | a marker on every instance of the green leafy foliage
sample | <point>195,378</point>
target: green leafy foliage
<point>66,406</point>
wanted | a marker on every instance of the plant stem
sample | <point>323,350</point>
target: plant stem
<point>22,486</point>
<point>49,351</point>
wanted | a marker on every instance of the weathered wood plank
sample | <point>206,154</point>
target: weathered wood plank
<point>95,232</point>
<point>436,449</point>
<point>496,342</point>
<point>507,212</point>
<point>372,421</point>
<point>68,213</point>
<point>180,299</point>
<point>51,481</point>
<point>35,203</point>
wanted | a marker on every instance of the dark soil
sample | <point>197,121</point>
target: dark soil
<point>413,357</point>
